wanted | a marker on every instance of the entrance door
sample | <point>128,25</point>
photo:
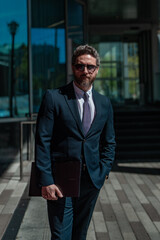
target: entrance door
<point>118,76</point>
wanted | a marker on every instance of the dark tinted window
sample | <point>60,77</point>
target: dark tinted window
<point>14,98</point>
<point>48,47</point>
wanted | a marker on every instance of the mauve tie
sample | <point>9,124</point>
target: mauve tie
<point>86,120</point>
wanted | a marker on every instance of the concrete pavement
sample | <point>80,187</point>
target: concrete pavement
<point>128,206</point>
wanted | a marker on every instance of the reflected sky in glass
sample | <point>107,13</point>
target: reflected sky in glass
<point>16,10</point>
<point>13,10</point>
<point>41,36</point>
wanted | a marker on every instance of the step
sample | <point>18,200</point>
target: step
<point>137,112</point>
<point>138,155</point>
<point>126,118</point>
<point>129,139</point>
<point>138,147</point>
<point>137,124</point>
<point>137,132</point>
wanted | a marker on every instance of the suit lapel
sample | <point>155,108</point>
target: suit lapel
<point>72,104</point>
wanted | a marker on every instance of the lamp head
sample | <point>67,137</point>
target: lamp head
<point>13,27</point>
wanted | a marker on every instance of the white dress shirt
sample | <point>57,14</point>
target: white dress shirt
<point>80,100</point>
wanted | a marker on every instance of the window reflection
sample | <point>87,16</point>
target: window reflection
<point>75,22</point>
<point>14,101</point>
<point>75,30</point>
<point>115,10</point>
<point>48,48</point>
<point>118,76</point>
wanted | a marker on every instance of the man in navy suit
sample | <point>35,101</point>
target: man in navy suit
<point>75,122</point>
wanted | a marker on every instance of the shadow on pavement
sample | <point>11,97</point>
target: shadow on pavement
<point>135,169</point>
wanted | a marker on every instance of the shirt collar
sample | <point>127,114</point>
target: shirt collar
<point>79,92</point>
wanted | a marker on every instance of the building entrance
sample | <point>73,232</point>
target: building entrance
<point>119,76</point>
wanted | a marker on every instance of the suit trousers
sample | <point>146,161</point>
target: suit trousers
<point>69,218</point>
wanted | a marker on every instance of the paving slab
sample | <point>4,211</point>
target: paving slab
<point>128,207</point>
<point>114,231</point>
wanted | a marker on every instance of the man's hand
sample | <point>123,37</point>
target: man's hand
<point>51,192</point>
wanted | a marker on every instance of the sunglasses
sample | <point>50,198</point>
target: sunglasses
<point>81,67</point>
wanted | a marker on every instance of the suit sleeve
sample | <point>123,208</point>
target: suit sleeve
<point>107,143</point>
<point>44,129</point>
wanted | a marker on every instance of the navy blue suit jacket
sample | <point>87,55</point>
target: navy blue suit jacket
<point>59,135</point>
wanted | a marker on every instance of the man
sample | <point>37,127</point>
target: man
<point>75,122</point>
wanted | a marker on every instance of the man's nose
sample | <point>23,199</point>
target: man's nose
<point>85,69</point>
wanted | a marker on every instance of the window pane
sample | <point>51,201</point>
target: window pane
<point>75,30</point>
<point>118,76</point>
<point>75,23</point>
<point>119,10</point>
<point>48,47</point>
<point>14,98</point>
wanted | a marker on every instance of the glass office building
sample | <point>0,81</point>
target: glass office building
<point>37,38</point>
<point>36,43</point>
<point>125,33</point>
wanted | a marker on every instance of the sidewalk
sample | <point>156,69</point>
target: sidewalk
<point>128,207</point>
<point>11,192</point>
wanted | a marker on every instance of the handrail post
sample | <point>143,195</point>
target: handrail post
<point>29,141</point>
<point>21,148</point>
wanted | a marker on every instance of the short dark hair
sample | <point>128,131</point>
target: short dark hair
<point>85,49</point>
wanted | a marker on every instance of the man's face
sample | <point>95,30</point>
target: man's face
<point>85,71</point>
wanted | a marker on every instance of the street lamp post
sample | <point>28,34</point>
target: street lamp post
<point>12,28</point>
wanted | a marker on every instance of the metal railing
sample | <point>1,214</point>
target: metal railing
<point>30,140</point>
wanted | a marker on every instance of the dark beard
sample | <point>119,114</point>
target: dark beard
<point>83,83</point>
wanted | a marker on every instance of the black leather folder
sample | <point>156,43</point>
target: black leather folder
<point>66,175</point>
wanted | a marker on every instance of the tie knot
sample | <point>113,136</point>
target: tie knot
<point>86,97</point>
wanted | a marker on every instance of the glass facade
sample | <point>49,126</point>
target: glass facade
<point>14,90</point>
<point>48,47</point>
<point>119,10</point>
<point>75,31</point>
<point>75,24</point>
<point>118,76</point>
<point>57,27</point>
<point>157,75</point>
<point>129,28</point>
<point>37,38</point>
